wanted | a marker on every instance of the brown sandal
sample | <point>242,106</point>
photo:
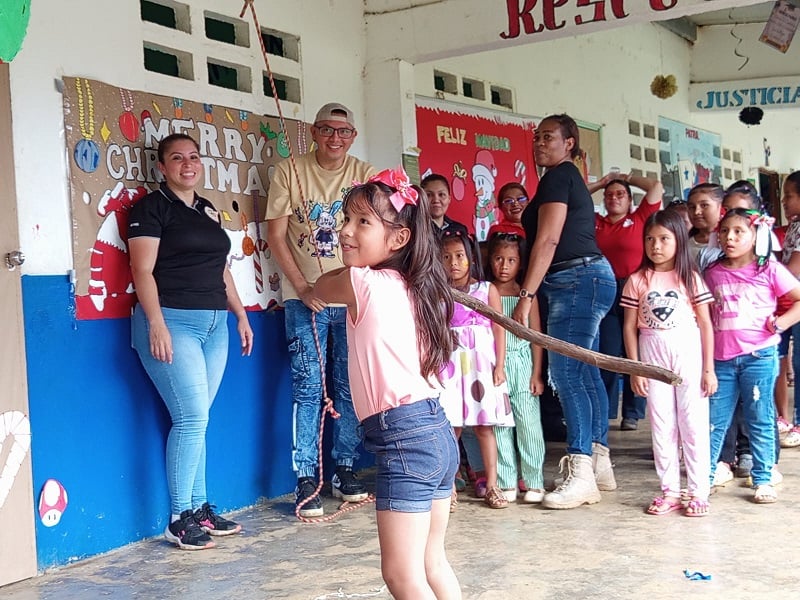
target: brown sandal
<point>453,500</point>
<point>495,498</point>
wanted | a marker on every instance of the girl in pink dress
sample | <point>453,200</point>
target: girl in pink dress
<point>475,393</point>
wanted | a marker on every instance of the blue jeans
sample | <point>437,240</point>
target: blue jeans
<point>611,343</point>
<point>796,369</point>
<point>188,386</point>
<point>307,386</point>
<point>750,377</point>
<point>578,299</point>
<point>417,456</point>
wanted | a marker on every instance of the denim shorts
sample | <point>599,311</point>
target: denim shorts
<point>416,453</point>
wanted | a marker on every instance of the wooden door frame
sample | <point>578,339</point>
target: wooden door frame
<point>17,521</point>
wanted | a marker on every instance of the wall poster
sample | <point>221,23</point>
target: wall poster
<point>478,151</point>
<point>112,134</point>
<point>688,156</point>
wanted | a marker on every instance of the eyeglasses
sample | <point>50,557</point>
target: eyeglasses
<point>344,132</point>
<point>509,201</point>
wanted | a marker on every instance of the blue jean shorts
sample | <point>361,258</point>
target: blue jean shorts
<point>416,453</point>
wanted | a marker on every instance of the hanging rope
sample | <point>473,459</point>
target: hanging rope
<point>327,402</point>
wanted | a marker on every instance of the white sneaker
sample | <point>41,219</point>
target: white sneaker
<point>511,495</point>
<point>722,474</point>
<point>533,496</point>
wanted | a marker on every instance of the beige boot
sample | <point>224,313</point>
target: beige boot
<point>579,486</point>
<point>602,467</point>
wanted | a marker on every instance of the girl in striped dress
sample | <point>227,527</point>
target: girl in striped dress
<point>524,378</point>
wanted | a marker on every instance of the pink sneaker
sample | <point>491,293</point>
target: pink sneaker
<point>784,426</point>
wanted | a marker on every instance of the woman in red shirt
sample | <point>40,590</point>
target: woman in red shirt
<point>620,238</point>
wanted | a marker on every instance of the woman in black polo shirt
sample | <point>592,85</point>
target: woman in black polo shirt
<point>178,253</point>
<point>566,267</point>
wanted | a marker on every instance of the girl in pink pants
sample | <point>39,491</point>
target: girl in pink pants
<point>667,324</point>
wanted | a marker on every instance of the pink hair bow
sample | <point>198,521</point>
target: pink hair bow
<point>761,219</point>
<point>397,179</point>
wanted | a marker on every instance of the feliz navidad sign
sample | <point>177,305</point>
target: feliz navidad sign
<point>775,92</point>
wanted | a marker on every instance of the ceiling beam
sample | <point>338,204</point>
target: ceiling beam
<point>682,27</point>
<point>421,30</point>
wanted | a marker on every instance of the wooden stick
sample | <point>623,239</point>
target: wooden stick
<point>609,363</point>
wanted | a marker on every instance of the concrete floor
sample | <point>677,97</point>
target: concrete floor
<point>609,550</point>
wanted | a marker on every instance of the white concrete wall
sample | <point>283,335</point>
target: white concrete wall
<point>103,41</point>
<point>604,78</point>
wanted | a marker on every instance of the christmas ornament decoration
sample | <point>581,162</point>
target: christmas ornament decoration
<point>663,86</point>
<point>751,115</point>
<point>87,154</point>
<point>128,124</point>
<point>15,435</point>
<point>459,184</point>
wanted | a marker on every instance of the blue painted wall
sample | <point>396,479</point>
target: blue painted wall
<point>99,426</point>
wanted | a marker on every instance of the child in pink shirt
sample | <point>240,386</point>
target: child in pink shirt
<point>399,307</point>
<point>667,324</point>
<point>746,286</point>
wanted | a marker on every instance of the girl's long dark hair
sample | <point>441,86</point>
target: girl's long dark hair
<point>763,246</point>
<point>684,265</point>
<point>511,239</point>
<point>711,189</point>
<point>747,189</point>
<point>471,251</point>
<point>794,179</point>
<point>420,264</point>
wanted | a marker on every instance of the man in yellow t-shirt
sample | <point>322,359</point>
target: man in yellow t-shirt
<point>303,237</point>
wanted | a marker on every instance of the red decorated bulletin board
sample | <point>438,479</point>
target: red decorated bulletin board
<point>478,151</point>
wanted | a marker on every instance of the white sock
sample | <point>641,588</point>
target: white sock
<point>175,518</point>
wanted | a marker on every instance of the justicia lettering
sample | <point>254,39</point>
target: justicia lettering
<point>760,96</point>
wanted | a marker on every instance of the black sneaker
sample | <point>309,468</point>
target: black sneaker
<point>212,523</point>
<point>346,485</point>
<point>306,486</point>
<point>187,534</point>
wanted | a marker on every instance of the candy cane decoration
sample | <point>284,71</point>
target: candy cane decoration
<point>14,427</point>
<point>261,246</point>
<point>519,171</point>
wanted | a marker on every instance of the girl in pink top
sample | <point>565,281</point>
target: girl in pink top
<point>667,324</point>
<point>746,286</point>
<point>399,307</point>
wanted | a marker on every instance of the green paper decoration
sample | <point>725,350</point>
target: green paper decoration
<point>14,16</point>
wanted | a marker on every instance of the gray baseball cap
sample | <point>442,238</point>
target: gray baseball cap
<point>333,111</point>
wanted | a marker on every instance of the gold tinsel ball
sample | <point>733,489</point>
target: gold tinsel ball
<point>664,86</point>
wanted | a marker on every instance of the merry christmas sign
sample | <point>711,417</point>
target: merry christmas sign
<point>112,134</point>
